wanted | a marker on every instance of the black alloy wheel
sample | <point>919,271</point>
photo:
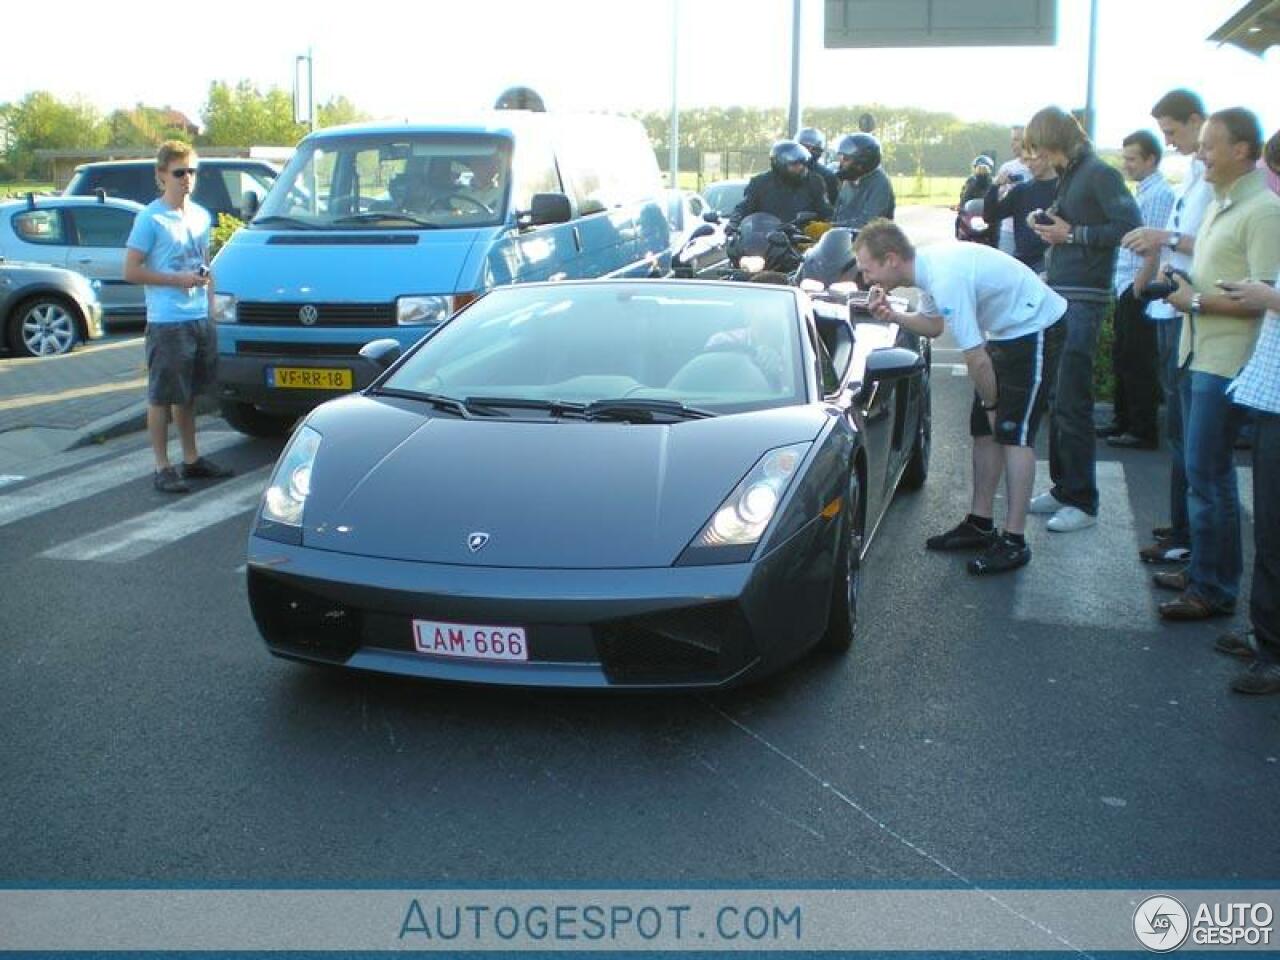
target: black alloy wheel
<point>917,471</point>
<point>842,621</point>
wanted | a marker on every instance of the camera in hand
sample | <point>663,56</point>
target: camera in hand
<point>1015,178</point>
<point>1043,219</point>
<point>1163,286</point>
<point>202,270</point>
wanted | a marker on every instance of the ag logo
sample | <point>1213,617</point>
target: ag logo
<point>1161,924</point>
<point>476,541</point>
<point>308,314</point>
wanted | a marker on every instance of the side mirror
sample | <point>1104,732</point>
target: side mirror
<point>249,205</point>
<point>383,353</point>
<point>892,363</point>
<point>711,216</point>
<point>547,208</point>
<point>705,230</point>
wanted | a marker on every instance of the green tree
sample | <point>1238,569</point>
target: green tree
<point>242,116</point>
<point>40,121</point>
<point>337,111</point>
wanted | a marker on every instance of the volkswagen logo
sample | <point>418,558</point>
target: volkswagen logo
<point>308,314</point>
<point>476,541</point>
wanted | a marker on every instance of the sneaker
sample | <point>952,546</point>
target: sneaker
<point>963,536</point>
<point>1243,644</point>
<point>168,481</point>
<point>203,468</point>
<point>1175,580</point>
<point>1261,677</point>
<point>1001,556</point>
<point>1070,519</point>
<point>1163,533</point>
<point>1044,503</point>
<point>1165,551</point>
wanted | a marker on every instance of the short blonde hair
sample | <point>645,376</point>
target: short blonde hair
<point>172,150</point>
<point>881,237</point>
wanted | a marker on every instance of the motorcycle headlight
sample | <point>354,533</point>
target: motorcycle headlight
<point>286,495</point>
<point>745,514</point>
<point>813,286</point>
<point>223,308</point>
<point>421,311</point>
<point>752,264</point>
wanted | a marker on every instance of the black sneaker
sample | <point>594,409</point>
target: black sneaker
<point>203,468</point>
<point>1001,556</point>
<point>168,481</point>
<point>963,536</point>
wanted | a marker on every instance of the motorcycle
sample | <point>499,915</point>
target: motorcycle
<point>971,225</point>
<point>763,243</point>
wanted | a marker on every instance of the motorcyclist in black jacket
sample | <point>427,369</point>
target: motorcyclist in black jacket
<point>786,189</point>
<point>867,192</point>
<point>812,140</point>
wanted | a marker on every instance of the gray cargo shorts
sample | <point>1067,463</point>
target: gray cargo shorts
<point>182,361</point>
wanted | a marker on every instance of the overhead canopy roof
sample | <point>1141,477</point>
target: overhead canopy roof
<point>1255,27</point>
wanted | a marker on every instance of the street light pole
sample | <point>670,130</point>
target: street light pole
<point>299,116</point>
<point>1089,108</point>
<point>675,109</point>
<point>793,115</point>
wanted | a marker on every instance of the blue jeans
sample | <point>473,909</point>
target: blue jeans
<point>1210,422</point>
<point>1168,333</point>
<point>1072,464</point>
<point>1264,593</point>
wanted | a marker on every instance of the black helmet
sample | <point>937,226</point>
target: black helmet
<point>520,98</point>
<point>859,154</point>
<point>811,139</point>
<point>783,155</point>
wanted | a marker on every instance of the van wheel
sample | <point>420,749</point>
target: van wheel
<point>248,419</point>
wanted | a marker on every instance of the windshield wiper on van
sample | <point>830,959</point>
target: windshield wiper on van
<point>642,410</point>
<point>464,408</point>
<point>282,221</point>
<point>383,216</point>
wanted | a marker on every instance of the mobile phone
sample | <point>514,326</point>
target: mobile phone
<point>1043,218</point>
<point>1015,178</point>
<point>202,270</point>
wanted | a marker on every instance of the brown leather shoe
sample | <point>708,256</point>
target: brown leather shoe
<point>1192,606</point>
<point>1242,644</point>
<point>1164,551</point>
<point>1175,580</point>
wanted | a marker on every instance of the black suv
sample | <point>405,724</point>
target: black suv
<point>221,184</point>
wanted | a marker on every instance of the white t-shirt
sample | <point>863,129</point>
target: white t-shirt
<point>983,294</point>
<point>1193,196</point>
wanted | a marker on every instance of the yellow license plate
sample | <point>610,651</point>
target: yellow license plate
<point>309,378</point>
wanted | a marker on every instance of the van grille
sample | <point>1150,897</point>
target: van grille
<point>327,314</point>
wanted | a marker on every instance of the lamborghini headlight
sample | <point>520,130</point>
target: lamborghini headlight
<point>746,512</point>
<point>286,496</point>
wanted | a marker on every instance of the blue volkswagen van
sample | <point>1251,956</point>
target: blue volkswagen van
<point>379,230</point>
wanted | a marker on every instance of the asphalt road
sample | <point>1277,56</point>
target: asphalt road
<point>1036,729</point>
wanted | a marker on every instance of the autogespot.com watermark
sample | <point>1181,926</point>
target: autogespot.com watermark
<point>1162,924</point>
<point>614,922</point>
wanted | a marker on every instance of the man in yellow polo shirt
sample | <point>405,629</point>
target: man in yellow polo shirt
<point>1239,239</point>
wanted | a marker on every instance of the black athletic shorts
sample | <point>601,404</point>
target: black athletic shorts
<point>1026,368</point>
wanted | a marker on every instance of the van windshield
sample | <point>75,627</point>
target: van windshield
<point>392,183</point>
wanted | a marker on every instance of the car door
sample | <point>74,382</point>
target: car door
<point>98,234</point>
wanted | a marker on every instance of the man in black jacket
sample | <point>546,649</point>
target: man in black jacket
<point>811,139</point>
<point>1092,212</point>
<point>786,189</point>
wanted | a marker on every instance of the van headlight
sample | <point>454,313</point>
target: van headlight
<point>419,311</point>
<point>286,496</point>
<point>223,308</point>
<point>742,518</point>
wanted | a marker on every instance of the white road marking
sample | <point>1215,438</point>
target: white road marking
<point>1244,480</point>
<point>91,480</point>
<point>138,536</point>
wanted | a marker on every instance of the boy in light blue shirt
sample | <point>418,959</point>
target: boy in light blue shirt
<point>168,250</point>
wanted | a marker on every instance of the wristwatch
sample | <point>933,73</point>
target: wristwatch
<point>1197,304</point>
<point>1174,239</point>
<point>991,407</point>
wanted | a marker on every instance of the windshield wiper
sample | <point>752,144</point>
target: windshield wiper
<point>378,216</point>
<point>464,408</point>
<point>557,408</point>
<point>283,222</point>
<point>642,410</point>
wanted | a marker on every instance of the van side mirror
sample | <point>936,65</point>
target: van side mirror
<point>249,205</point>
<point>382,353</point>
<point>892,363</point>
<point>547,208</point>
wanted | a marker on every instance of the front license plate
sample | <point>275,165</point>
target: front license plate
<point>468,641</point>
<point>309,378</point>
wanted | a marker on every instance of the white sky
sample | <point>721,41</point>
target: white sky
<point>397,59</point>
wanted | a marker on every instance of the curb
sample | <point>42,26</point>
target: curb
<point>129,420</point>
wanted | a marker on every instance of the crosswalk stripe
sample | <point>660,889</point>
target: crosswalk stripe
<point>91,480</point>
<point>1244,480</point>
<point>138,536</point>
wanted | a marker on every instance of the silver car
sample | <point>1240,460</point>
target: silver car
<point>84,234</point>
<point>45,311</point>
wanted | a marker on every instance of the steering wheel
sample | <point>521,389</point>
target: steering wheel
<point>447,203</point>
